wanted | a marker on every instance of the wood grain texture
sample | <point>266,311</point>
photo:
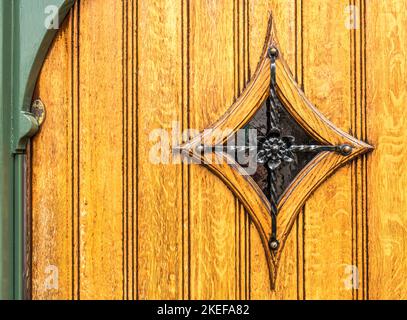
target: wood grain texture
<point>212,214</point>
<point>328,213</point>
<point>101,155</point>
<point>307,115</point>
<point>135,211</point>
<point>386,128</point>
<point>359,166</point>
<point>160,187</point>
<point>51,198</point>
<point>120,227</point>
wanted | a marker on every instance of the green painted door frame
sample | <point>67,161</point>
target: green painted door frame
<point>27,28</point>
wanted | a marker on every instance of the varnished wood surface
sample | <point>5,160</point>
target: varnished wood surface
<point>117,226</point>
<point>386,169</point>
<point>307,115</point>
<point>52,193</point>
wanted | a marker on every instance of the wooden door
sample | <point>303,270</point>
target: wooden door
<point>107,223</point>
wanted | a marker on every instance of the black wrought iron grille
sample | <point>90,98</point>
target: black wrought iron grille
<point>282,148</point>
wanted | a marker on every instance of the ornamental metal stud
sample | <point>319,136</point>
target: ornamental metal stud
<point>38,110</point>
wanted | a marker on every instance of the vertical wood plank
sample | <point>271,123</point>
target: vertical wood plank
<point>328,213</point>
<point>51,181</point>
<point>386,82</point>
<point>101,151</point>
<point>160,81</point>
<point>212,205</point>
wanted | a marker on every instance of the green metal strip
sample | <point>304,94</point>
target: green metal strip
<point>18,227</point>
<point>24,43</point>
<point>6,159</point>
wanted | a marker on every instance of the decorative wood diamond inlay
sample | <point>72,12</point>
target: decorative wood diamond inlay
<point>274,208</point>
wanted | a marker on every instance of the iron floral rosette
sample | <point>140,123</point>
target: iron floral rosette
<point>276,150</point>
